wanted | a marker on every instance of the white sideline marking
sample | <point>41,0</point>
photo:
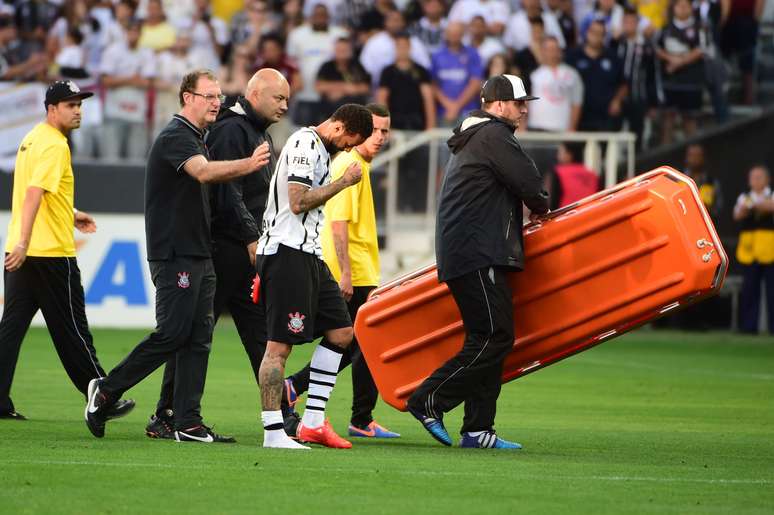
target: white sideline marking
<point>645,366</point>
<point>407,472</point>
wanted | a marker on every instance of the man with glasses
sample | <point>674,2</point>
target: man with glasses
<point>237,214</point>
<point>177,228</point>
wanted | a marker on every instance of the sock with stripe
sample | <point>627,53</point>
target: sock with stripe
<point>274,432</point>
<point>322,378</point>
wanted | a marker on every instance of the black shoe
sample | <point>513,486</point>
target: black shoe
<point>120,409</point>
<point>202,433</point>
<point>12,415</point>
<point>291,420</point>
<point>161,426</point>
<point>97,408</point>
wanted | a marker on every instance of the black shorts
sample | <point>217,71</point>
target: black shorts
<point>684,100</point>
<point>301,297</point>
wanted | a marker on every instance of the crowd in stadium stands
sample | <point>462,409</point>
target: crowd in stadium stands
<point>597,65</point>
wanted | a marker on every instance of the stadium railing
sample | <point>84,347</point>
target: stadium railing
<point>406,236</point>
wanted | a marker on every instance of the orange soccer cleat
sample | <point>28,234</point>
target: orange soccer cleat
<point>323,435</point>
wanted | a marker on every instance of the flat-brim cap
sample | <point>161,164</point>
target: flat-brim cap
<point>504,87</point>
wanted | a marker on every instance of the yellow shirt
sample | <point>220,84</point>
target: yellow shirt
<point>756,240</point>
<point>225,9</point>
<point>43,160</point>
<point>354,205</point>
<point>657,11</point>
<point>157,37</point>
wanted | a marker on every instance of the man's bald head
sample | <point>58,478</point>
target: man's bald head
<point>268,93</point>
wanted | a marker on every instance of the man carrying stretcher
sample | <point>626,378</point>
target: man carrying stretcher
<point>479,240</point>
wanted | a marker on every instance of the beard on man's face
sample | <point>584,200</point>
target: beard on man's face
<point>332,147</point>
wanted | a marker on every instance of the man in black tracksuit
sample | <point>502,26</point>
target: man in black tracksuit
<point>237,214</point>
<point>478,241</point>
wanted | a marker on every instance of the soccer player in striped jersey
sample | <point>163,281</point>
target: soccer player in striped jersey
<point>302,299</point>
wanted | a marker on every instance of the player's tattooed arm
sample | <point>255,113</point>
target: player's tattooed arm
<point>302,198</point>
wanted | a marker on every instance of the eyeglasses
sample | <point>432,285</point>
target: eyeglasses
<point>210,98</point>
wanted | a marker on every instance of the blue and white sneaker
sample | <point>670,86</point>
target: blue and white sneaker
<point>434,426</point>
<point>486,440</point>
<point>372,430</point>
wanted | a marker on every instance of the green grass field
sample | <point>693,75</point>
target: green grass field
<point>653,422</point>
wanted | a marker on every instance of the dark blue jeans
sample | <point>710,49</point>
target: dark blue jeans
<point>750,302</point>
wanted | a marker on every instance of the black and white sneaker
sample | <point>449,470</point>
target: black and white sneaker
<point>12,415</point>
<point>161,426</point>
<point>120,409</point>
<point>97,409</point>
<point>203,434</point>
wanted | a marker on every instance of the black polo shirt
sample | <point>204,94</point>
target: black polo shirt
<point>177,207</point>
<point>602,76</point>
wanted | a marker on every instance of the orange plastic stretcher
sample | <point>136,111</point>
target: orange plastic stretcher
<point>595,269</point>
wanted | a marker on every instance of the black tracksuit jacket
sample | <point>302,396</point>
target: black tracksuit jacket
<point>488,179</point>
<point>238,205</point>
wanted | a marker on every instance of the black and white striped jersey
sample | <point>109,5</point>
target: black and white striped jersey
<point>304,160</point>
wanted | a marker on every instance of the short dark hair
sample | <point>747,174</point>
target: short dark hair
<point>378,109</point>
<point>575,149</point>
<point>600,22</point>
<point>188,84</point>
<point>272,36</point>
<point>630,11</point>
<point>76,35</point>
<point>356,119</point>
<point>536,20</point>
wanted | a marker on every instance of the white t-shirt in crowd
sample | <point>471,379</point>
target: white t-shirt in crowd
<point>311,49</point>
<point>493,11</point>
<point>559,90</point>
<point>518,30</point>
<point>379,52</point>
<point>127,103</point>
<point>488,48</point>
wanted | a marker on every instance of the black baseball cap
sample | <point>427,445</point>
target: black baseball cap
<point>504,87</point>
<point>62,90</point>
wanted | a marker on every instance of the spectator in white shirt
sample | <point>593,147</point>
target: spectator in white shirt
<point>486,46</point>
<point>494,12</point>
<point>310,45</point>
<point>611,15</point>
<point>115,32</point>
<point>208,35</point>
<point>71,58</point>
<point>560,89</point>
<point>172,65</point>
<point>76,15</point>
<point>126,71</point>
<point>379,50</point>
<point>518,32</point>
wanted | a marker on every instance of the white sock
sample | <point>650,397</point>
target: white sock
<point>322,379</point>
<point>274,432</point>
<point>475,433</point>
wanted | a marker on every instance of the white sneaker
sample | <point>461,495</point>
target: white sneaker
<point>279,440</point>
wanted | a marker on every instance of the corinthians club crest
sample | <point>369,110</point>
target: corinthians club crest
<point>182,280</point>
<point>296,323</point>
